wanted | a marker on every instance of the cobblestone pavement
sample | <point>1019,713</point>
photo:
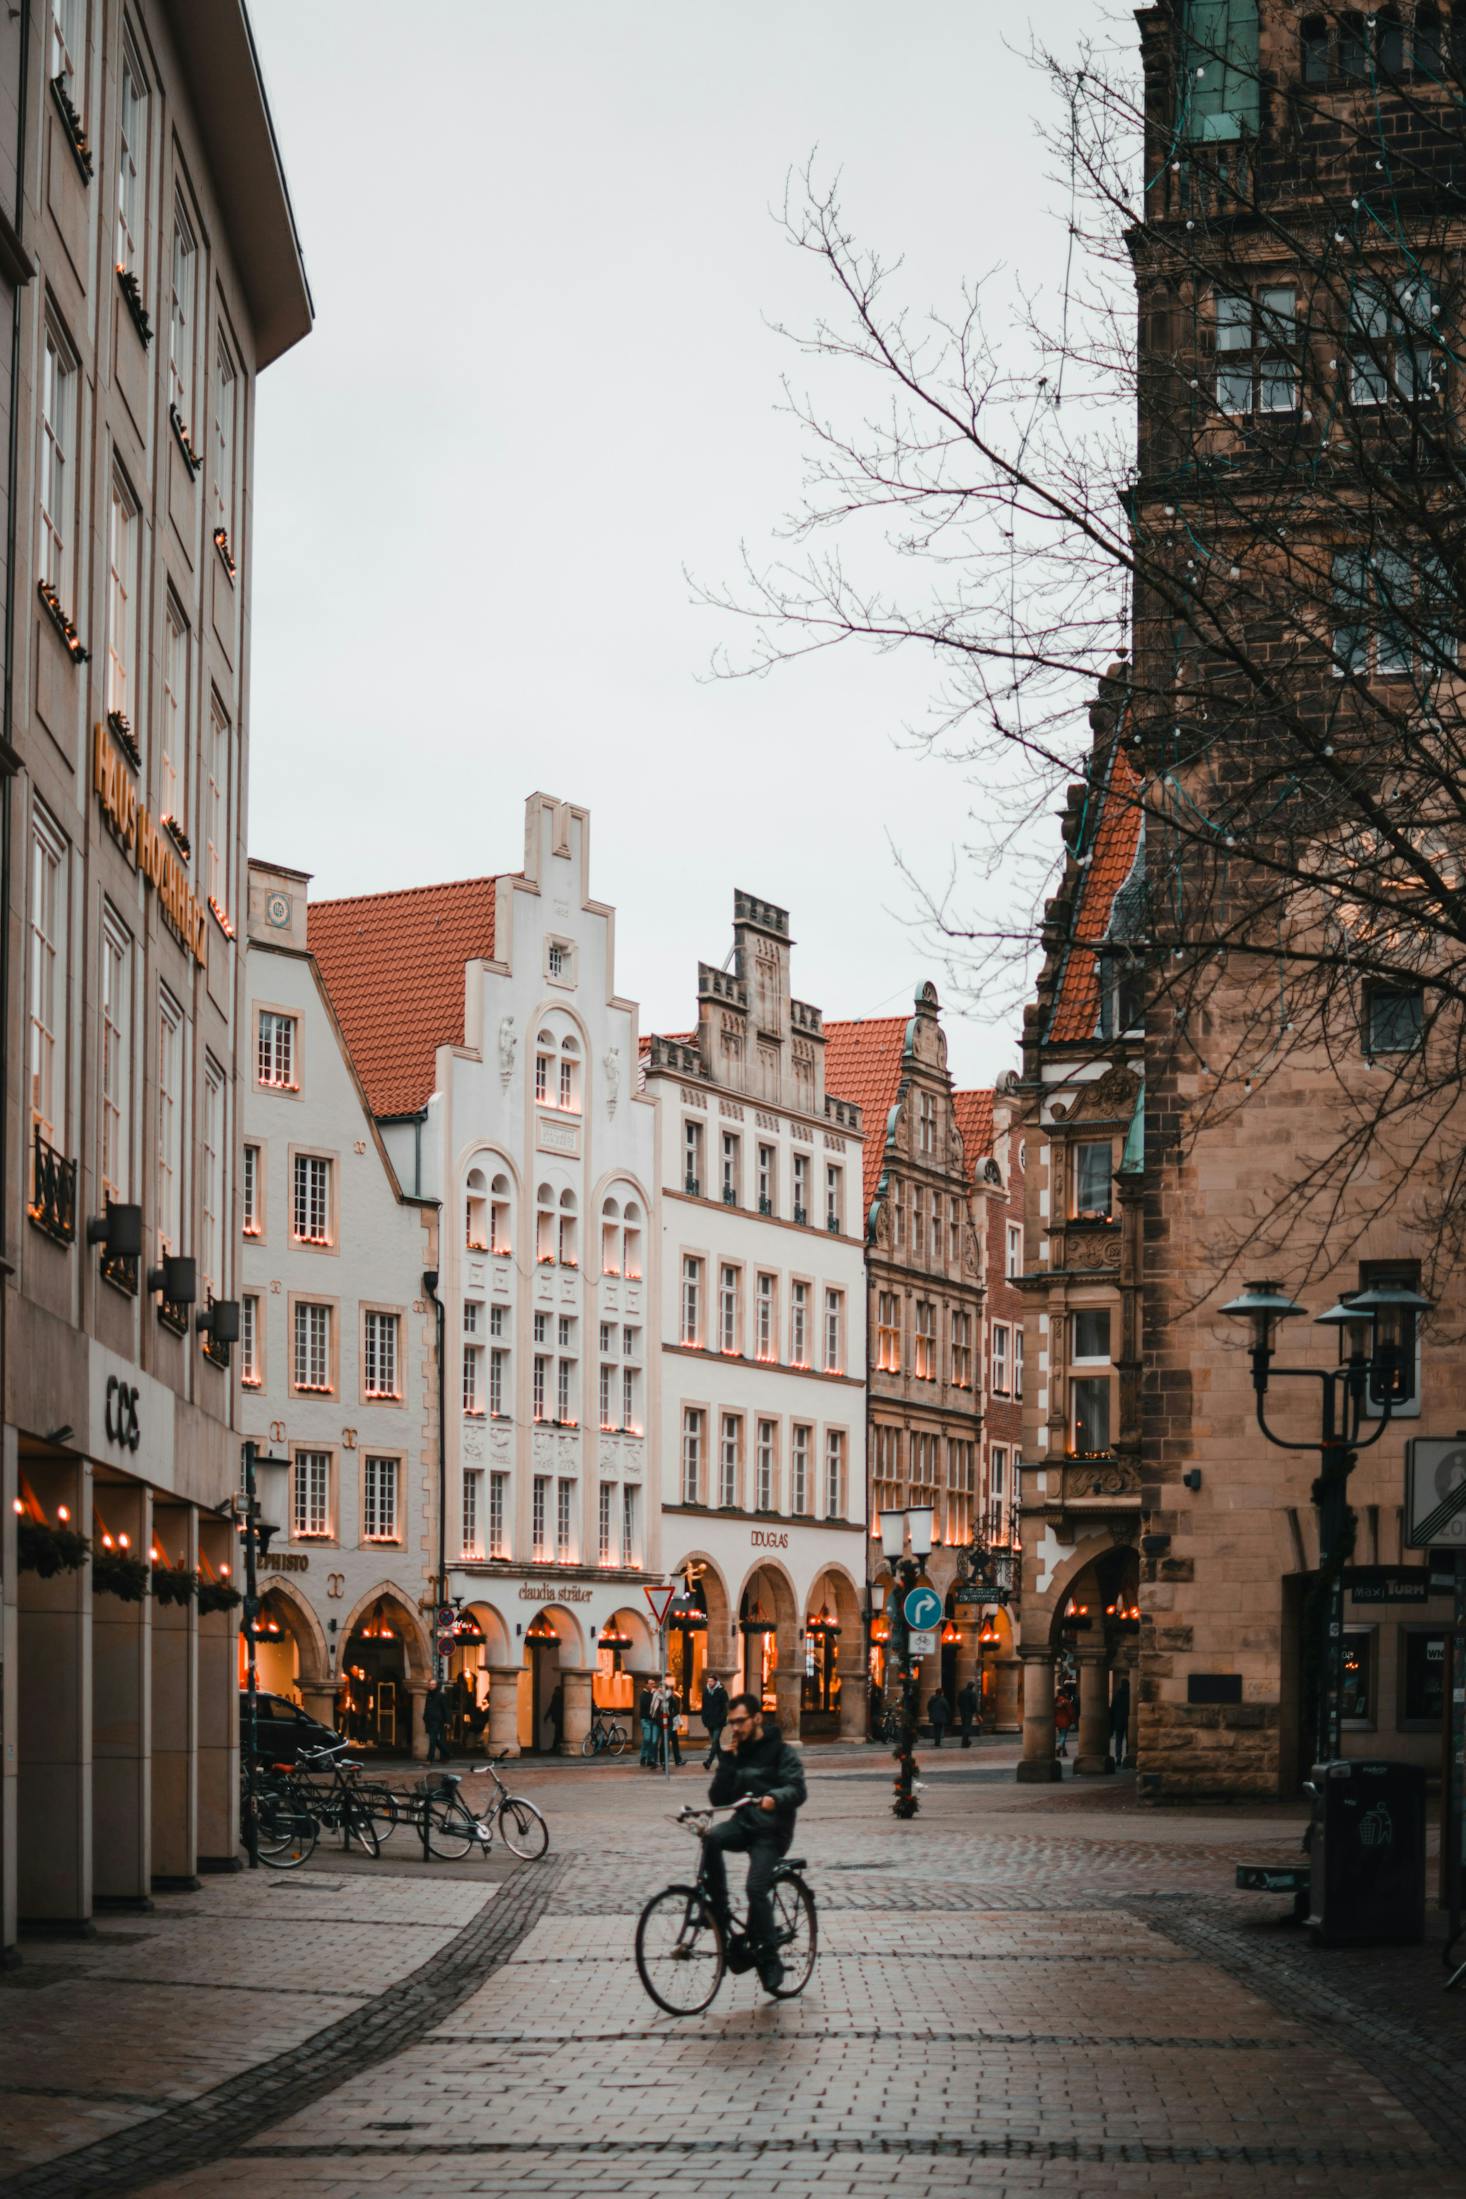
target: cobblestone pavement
<point>1030,1991</point>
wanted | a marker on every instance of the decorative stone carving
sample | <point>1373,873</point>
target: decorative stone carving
<point>473,1441</point>
<point>1085,1248</point>
<point>1110,1095</point>
<point>1100,1477</point>
<point>611,1070</point>
<point>507,1044</point>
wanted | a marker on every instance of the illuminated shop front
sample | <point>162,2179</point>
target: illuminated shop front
<point>687,1629</point>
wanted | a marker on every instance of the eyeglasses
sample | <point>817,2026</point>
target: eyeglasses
<point>740,1718</point>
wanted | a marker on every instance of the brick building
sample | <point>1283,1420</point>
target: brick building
<point>1278,289</point>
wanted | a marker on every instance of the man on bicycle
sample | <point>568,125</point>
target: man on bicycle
<point>755,1763</point>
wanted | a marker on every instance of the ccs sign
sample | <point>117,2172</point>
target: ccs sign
<point>122,1420</point>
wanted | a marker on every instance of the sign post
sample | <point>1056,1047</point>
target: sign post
<point>660,1600</point>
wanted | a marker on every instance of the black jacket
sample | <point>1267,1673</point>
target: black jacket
<point>714,1708</point>
<point>766,1766</point>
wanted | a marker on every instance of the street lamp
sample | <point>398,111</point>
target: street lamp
<point>259,1511</point>
<point>896,1528</point>
<point>1374,1328</point>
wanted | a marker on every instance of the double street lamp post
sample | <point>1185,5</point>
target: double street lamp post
<point>1375,1330</point>
<point>256,1532</point>
<point>906,1570</point>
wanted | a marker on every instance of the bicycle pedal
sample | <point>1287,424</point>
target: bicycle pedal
<point>740,1955</point>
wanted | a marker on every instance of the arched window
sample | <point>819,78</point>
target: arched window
<point>611,1238</point>
<point>501,1238</point>
<point>476,1212</point>
<point>569,1254</point>
<point>1389,42</point>
<point>570,1075</point>
<point>544,1068</point>
<point>1427,49</point>
<point>631,1242</point>
<point>544,1204</point>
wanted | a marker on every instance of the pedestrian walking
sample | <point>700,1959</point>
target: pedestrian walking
<point>967,1707</point>
<point>555,1713</point>
<point>1120,1720</point>
<point>646,1713</point>
<point>1064,1717</point>
<point>714,1715</point>
<point>435,1723</point>
<point>674,1712</point>
<point>939,1710</point>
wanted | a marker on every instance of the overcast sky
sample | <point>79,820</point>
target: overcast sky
<point>542,383</point>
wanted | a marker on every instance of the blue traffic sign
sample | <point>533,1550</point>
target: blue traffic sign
<point>923,1608</point>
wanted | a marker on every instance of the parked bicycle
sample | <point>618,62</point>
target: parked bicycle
<point>683,1950</point>
<point>453,1828</point>
<point>324,1791</point>
<point>604,1736</point>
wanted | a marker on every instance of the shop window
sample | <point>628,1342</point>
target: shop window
<point>1422,1679</point>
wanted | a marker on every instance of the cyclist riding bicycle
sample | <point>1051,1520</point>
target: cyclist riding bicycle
<point>755,1764</point>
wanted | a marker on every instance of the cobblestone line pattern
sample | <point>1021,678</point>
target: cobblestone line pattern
<point>219,2122</point>
<point>1291,1978</point>
<point>1097,2151</point>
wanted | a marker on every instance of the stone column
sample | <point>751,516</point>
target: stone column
<point>122,1807</point>
<point>1094,1713</point>
<point>854,1688</point>
<point>1007,1714</point>
<point>218,1706</point>
<point>575,1697</point>
<point>416,1692</point>
<point>54,1683</point>
<point>503,1709</point>
<point>1038,1765</point>
<point>175,1711</point>
<point>318,1700</point>
<point>788,1691</point>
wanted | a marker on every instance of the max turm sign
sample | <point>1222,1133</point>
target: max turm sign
<point>147,844</point>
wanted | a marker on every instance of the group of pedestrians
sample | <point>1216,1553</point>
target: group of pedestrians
<point>939,1711</point>
<point>659,1706</point>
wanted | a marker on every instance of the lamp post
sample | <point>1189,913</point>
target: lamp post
<point>1373,1328</point>
<point>905,1574</point>
<point>256,1530</point>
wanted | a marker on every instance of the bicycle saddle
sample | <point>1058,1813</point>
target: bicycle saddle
<point>793,1863</point>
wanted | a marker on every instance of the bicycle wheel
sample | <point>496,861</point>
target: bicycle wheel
<point>617,1738</point>
<point>680,1955</point>
<point>286,1835</point>
<point>451,1831</point>
<point>385,1815</point>
<point>523,1830</point>
<point>796,1934</point>
<point>357,1825</point>
<point>589,1744</point>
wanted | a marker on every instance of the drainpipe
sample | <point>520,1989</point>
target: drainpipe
<point>440,1584</point>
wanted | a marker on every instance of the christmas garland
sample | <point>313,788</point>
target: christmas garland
<point>41,1548</point>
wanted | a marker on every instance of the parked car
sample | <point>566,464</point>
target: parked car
<point>283,1729</point>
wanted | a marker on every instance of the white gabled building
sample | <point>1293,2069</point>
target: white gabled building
<point>500,1064</point>
<point>763,1342</point>
<point>337,1351</point>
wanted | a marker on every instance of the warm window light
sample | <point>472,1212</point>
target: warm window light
<point>63,1513</point>
<point>224,1572</point>
<point>17,1507</point>
<point>123,1541</point>
<point>153,1553</point>
<point>106,1539</point>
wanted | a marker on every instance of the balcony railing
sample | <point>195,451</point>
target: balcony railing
<point>53,1192</point>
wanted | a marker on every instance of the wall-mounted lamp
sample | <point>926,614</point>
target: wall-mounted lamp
<point>118,1229</point>
<point>177,1277</point>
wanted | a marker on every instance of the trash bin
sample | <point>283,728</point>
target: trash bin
<point>1367,1857</point>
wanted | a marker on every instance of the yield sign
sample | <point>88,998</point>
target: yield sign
<point>660,1600</point>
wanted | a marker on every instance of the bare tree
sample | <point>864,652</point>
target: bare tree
<point>1219,480</point>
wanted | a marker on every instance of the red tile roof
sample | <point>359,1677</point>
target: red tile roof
<point>393,966</point>
<point>863,1063</point>
<point>1111,860</point>
<point>974,1112</point>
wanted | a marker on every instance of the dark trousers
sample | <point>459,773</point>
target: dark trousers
<point>713,1734</point>
<point>438,1752</point>
<point>967,1733</point>
<point>939,1727</point>
<point>668,1741</point>
<point>744,1835</point>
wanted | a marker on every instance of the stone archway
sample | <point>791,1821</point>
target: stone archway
<point>297,1663</point>
<point>722,1648</point>
<point>771,1662</point>
<point>1078,1636</point>
<point>554,1686</point>
<point>386,1663</point>
<point>835,1683</point>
